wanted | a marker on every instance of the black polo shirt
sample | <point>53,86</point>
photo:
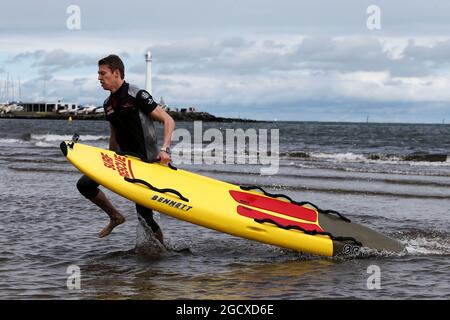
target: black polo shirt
<point>128,110</point>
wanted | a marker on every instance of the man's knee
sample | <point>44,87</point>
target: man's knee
<point>87,187</point>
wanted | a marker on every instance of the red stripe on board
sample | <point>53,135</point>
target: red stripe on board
<point>129,167</point>
<point>254,214</point>
<point>275,205</point>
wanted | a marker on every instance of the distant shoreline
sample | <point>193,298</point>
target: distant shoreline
<point>199,116</point>
<point>177,116</point>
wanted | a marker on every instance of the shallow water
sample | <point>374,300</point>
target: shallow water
<point>48,226</point>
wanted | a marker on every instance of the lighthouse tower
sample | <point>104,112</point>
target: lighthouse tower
<point>148,74</point>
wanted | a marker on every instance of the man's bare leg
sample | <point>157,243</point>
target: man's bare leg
<point>116,218</point>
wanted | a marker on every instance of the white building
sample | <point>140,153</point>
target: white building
<point>60,107</point>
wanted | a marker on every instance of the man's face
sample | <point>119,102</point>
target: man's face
<point>108,79</point>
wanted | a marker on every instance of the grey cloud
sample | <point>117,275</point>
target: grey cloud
<point>199,50</point>
<point>270,44</point>
<point>316,55</point>
<point>349,54</point>
<point>367,54</point>
<point>422,60</point>
<point>196,56</point>
<point>55,59</point>
<point>136,68</point>
<point>80,81</point>
<point>59,59</point>
<point>44,75</point>
<point>35,55</point>
<point>237,56</point>
<point>439,52</point>
<point>124,55</point>
<point>186,52</point>
<point>49,62</point>
<point>235,42</point>
<point>226,56</point>
<point>57,89</point>
<point>169,82</point>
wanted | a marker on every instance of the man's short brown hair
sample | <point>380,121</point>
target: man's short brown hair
<point>114,63</point>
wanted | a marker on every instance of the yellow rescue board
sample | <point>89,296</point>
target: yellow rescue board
<point>200,200</point>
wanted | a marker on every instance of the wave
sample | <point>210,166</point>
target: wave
<point>409,182</point>
<point>400,171</point>
<point>51,138</point>
<point>59,160</point>
<point>404,169</point>
<point>42,144</point>
<point>370,157</point>
<point>47,140</point>
<point>59,138</point>
<point>426,242</point>
<point>41,169</point>
<point>279,188</point>
<point>12,155</point>
<point>11,141</point>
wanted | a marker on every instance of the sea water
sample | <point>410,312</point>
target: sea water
<point>362,170</point>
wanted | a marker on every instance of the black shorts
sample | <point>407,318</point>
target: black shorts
<point>89,189</point>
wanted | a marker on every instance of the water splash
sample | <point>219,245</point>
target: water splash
<point>426,242</point>
<point>146,242</point>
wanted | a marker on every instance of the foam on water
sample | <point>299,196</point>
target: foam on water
<point>42,144</point>
<point>48,140</point>
<point>425,242</point>
<point>146,242</point>
<point>59,138</point>
<point>11,141</point>
<point>349,156</point>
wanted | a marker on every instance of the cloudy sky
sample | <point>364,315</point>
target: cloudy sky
<point>260,59</point>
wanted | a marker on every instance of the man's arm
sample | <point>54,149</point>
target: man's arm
<point>169,125</point>
<point>113,145</point>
